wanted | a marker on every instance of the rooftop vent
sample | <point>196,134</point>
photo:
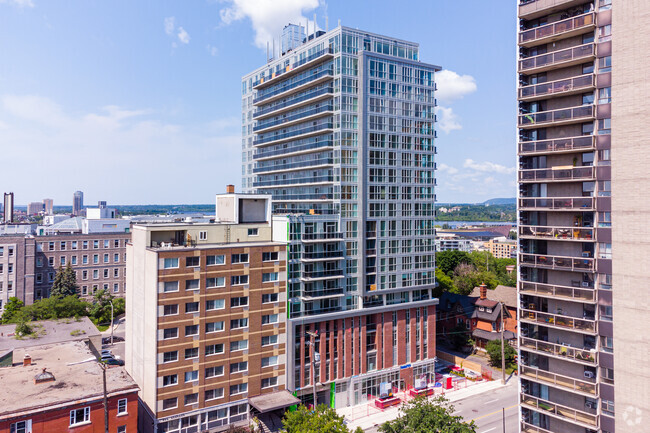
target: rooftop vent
<point>44,376</point>
<point>27,360</point>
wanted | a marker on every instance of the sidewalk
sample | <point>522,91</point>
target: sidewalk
<point>368,415</point>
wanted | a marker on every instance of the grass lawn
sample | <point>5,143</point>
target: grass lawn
<point>103,328</point>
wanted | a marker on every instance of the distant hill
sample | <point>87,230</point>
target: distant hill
<point>500,201</point>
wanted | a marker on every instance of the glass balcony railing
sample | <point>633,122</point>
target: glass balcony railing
<point>293,101</point>
<point>286,150</point>
<point>557,174</point>
<point>557,203</point>
<point>322,255</point>
<point>544,61</point>
<point>559,233</point>
<point>558,321</point>
<point>294,133</point>
<point>582,355</point>
<point>292,165</point>
<point>309,295</point>
<point>557,28</point>
<point>570,144</point>
<point>319,196</point>
<point>557,410</point>
<point>294,66</point>
<point>322,236</point>
<point>292,117</point>
<point>581,294</point>
<point>301,180</point>
<point>558,380</point>
<point>263,96</point>
<point>559,87</point>
<point>310,275</point>
<point>568,263</point>
<point>562,115</point>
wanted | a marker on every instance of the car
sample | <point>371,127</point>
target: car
<point>116,339</point>
<point>113,361</point>
<point>106,352</point>
<point>104,357</point>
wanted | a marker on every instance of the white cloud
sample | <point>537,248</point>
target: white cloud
<point>447,168</point>
<point>114,153</point>
<point>183,36</point>
<point>447,119</point>
<point>488,167</point>
<point>170,24</point>
<point>452,86</point>
<point>19,3</point>
<point>267,17</point>
<point>212,50</point>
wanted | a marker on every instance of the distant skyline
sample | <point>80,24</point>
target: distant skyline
<point>139,102</point>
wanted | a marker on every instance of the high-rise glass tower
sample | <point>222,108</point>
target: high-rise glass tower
<point>340,131</point>
<point>77,203</point>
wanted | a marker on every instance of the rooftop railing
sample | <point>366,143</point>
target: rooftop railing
<point>557,28</point>
<point>558,87</point>
<point>562,115</point>
<point>585,356</point>
<point>530,64</point>
<point>586,142</point>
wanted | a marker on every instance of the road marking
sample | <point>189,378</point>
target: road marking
<point>491,401</point>
<point>485,431</point>
<point>492,413</point>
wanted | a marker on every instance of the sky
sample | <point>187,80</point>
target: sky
<point>138,102</point>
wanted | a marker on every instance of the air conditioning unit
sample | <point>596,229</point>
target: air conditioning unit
<point>589,374</point>
<point>590,405</point>
<point>585,284</point>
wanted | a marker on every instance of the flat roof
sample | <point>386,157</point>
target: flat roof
<point>77,377</point>
<point>273,401</point>
<point>219,245</point>
<point>49,332</point>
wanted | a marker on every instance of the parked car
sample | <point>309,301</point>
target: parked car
<point>116,339</point>
<point>113,361</point>
<point>106,352</point>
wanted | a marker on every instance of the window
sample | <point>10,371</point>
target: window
<point>270,276</point>
<point>116,258</point>
<point>604,188</point>
<point>215,260</point>
<point>605,312</point>
<point>191,353</point>
<point>239,258</point>
<point>73,260</point>
<point>170,380</point>
<point>604,126</point>
<point>238,280</point>
<point>39,261</point>
<point>105,273</point>
<point>121,429</point>
<point>170,286</point>
<point>605,4</point>
<point>269,298</point>
<point>268,340</point>
<point>605,33</point>
<point>107,258</point>
<point>191,307</point>
<point>605,95</point>
<point>215,304</point>
<point>238,323</point>
<point>269,318</point>
<point>51,246</point>
<point>170,333</point>
<point>79,416</point>
<point>74,245</point>
<point>607,344</point>
<point>252,232</point>
<point>587,98</point>
<point>607,375</point>
<point>203,236</point>
<point>269,382</point>
<point>214,327</point>
<point>604,250</point>
<point>95,244</point>
<point>238,367</point>
<point>269,361</point>
<point>62,260</point>
<point>169,403</point>
<point>191,330</point>
<point>84,259</point>
<point>116,243</point>
<point>239,301</point>
<point>191,284</point>
<point>605,64</point>
<point>214,371</point>
<point>238,389</point>
<point>213,394</point>
<point>587,68</point>
<point>191,262</point>
<point>191,399</point>
<point>238,345</point>
<point>170,263</point>
<point>21,427</point>
<point>116,273</point>
<point>85,245</point>
<point>215,282</point>
<point>106,243</point>
<point>191,376</point>
<point>271,256</point>
<point>95,274</point>
<point>608,407</point>
<point>213,349</point>
<point>121,406</point>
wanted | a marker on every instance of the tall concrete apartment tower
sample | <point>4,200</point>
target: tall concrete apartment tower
<point>567,166</point>
<point>8,207</point>
<point>340,130</point>
<point>77,203</point>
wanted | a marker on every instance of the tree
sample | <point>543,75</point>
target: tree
<point>447,261</point>
<point>100,309</point>
<point>445,284</point>
<point>422,415</point>
<point>13,306</point>
<point>493,349</point>
<point>65,283</point>
<point>459,337</point>
<point>322,420</point>
<point>465,277</point>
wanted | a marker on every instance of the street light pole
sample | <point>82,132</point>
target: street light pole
<point>312,343</point>
<point>111,322</point>
<point>503,357</point>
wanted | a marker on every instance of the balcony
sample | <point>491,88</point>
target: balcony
<point>321,256</point>
<point>562,116</point>
<point>321,275</point>
<point>559,381</point>
<point>577,294</point>
<point>294,165</point>
<point>294,182</point>
<point>298,133</point>
<point>557,30</point>
<point>292,119</point>
<point>557,174</point>
<point>559,145</point>
<point>294,102</point>
<point>558,203</point>
<point>310,80</point>
<point>530,428</point>
<point>560,233</point>
<point>529,9</point>
<point>558,321</point>
<point>560,351</point>
<point>301,197</point>
<point>294,68</point>
<point>557,59</point>
<point>322,237</point>
<point>560,263</point>
<point>564,87</point>
<point>559,411</point>
<point>264,153</point>
<point>312,295</point>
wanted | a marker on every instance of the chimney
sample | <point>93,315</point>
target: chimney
<point>230,189</point>
<point>483,292</point>
<point>27,360</point>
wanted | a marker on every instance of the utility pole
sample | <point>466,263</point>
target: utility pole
<point>503,418</point>
<point>503,357</point>
<point>312,343</point>
<point>104,367</point>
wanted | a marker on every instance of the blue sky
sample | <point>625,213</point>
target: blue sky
<point>138,102</point>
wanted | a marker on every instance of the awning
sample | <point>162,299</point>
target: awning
<point>487,335</point>
<point>270,402</point>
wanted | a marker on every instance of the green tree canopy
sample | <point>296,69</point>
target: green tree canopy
<point>447,261</point>
<point>493,349</point>
<point>422,415</point>
<point>323,420</point>
<point>100,309</point>
<point>13,306</point>
<point>65,283</point>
